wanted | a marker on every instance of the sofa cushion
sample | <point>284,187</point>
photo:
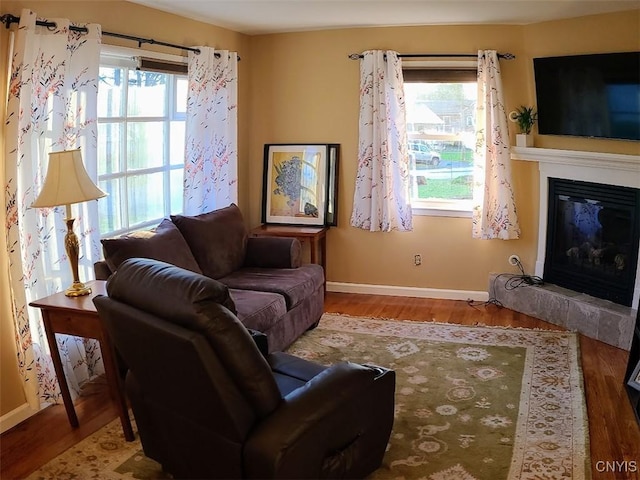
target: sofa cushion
<point>258,310</point>
<point>218,239</point>
<point>294,284</point>
<point>164,243</point>
<point>291,373</point>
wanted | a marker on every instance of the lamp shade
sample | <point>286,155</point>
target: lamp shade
<point>66,182</point>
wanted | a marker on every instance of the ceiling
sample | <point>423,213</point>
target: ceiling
<point>254,17</point>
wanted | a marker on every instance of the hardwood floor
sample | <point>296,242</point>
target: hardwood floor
<point>47,434</point>
<point>614,433</point>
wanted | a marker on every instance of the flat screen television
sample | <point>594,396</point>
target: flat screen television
<point>589,95</point>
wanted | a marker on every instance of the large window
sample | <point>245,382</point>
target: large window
<point>141,132</point>
<point>441,106</point>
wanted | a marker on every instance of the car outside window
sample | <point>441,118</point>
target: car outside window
<point>421,155</point>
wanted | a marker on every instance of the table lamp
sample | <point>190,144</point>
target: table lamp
<point>68,182</point>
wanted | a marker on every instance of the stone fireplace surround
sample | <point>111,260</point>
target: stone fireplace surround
<point>596,318</point>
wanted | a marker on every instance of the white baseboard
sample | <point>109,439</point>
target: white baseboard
<point>407,291</point>
<point>15,416</point>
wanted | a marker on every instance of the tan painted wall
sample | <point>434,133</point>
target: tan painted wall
<point>305,89</point>
<point>132,19</point>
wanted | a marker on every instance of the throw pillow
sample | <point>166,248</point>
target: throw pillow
<point>164,243</point>
<point>217,239</point>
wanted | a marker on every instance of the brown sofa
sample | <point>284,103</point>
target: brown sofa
<point>271,291</point>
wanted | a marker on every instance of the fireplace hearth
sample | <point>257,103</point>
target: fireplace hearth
<point>593,235</point>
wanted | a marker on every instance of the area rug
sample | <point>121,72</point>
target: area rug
<point>472,403</point>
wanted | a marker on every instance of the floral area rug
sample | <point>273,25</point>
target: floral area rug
<point>472,403</point>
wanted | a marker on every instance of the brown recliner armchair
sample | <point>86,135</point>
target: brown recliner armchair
<point>209,404</point>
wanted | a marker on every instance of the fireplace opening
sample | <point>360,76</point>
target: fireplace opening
<point>593,233</point>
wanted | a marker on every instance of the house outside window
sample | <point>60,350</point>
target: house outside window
<point>141,135</point>
<point>441,102</point>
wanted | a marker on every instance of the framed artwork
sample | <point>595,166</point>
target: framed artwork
<point>300,184</point>
<point>332,194</point>
<point>634,379</point>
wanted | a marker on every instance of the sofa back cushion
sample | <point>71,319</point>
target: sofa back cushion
<point>164,243</point>
<point>218,239</point>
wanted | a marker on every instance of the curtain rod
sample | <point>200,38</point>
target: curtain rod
<point>506,56</point>
<point>8,19</point>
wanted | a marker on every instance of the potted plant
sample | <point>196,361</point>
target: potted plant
<point>526,118</point>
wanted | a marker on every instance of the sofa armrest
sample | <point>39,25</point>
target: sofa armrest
<point>329,420</point>
<point>273,252</point>
<point>102,270</point>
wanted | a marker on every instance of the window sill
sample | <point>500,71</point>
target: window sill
<point>444,209</point>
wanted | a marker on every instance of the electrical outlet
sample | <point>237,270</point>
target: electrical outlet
<point>417,259</point>
<point>514,260</point>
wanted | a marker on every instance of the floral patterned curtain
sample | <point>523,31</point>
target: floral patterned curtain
<point>211,157</point>
<point>494,209</point>
<point>52,106</point>
<point>381,201</point>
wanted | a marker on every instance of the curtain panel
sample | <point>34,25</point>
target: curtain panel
<point>494,208</point>
<point>381,201</point>
<point>211,145</point>
<point>52,106</point>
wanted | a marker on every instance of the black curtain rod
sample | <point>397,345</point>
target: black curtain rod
<point>8,19</point>
<point>506,56</point>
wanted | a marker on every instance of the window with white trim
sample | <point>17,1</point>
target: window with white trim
<point>441,103</point>
<point>141,135</point>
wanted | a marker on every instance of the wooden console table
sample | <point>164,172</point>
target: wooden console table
<point>317,236</point>
<point>78,316</point>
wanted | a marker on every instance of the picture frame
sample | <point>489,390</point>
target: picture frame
<point>331,218</point>
<point>300,183</point>
<point>634,378</point>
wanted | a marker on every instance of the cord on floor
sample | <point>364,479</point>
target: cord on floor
<point>514,281</point>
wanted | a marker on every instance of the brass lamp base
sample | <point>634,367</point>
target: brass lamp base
<point>78,289</point>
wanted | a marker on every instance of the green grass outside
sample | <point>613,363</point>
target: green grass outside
<point>457,189</point>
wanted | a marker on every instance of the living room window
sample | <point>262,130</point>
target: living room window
<point>441,102</point>
<point>141,135</point>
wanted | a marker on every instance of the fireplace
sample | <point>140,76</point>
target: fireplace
<point>593,233</point>
<point>598,318</point>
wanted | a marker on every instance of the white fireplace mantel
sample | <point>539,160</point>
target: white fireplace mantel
<point>627,167</point>
<point>597,167</point>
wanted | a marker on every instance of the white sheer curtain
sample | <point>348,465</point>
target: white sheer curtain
<point>211,156</point>
<point>381,201</point>
<point>494,208</point>
<point>52,106</point>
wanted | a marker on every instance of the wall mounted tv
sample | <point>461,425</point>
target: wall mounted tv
<point>589,95</point>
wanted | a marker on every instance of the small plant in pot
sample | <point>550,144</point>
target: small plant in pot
<point>525,118</point>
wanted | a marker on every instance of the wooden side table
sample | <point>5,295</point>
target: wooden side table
<point>317,236</point>
<point>78,316</point>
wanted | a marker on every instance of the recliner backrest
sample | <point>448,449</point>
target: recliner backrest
<point>177,371</point>
<point>169,320</point>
